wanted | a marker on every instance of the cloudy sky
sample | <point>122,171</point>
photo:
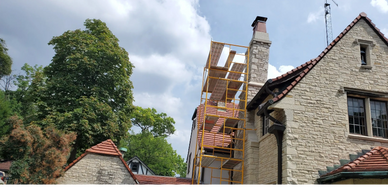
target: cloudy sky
<point>168,40</point>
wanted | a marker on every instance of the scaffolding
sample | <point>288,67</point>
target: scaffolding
<point>221,116</point>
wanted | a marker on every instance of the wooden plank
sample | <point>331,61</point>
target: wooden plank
<point>230,58</point>
<point>219,72</point>
<point>229,164</point>
<point>219,90</point>
<point>214,54</point>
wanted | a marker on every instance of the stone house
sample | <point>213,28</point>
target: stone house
<point>100,164</point>
<point>323,117</point>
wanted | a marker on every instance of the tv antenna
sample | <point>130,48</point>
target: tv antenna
<point>329,32</point>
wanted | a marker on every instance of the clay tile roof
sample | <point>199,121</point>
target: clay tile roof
<point>4,166</point>
<point>161,180</point>
<point>375,160</point>
<point>307,67</point>
<point>104,148</point>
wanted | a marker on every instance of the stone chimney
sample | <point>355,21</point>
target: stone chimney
<point>258,56</point>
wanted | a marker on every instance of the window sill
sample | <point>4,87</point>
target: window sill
<point>366,67</point>
<point>368,138</point>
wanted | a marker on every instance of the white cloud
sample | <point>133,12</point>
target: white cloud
<point>315,16</point>
<point>274,72</point>
<point>382,5</point>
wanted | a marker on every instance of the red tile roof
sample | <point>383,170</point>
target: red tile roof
<point>104,148</point>
<point>375,160</point>
<point>301,71</point>
<point>4,166</point>
<point>161,180</point>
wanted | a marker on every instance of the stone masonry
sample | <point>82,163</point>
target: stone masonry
<point>316,116</point>
<point>97,169</point>
<point>257,75</point>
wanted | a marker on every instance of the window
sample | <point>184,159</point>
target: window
<point>379,118</point>
<point>363,55</point>
<point>188,164</point>
<point>135,167</point>
<point>356,113</point>
<point>265,124</point>
<point>368,116</point>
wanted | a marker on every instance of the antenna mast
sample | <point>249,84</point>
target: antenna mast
<point>329,32</point>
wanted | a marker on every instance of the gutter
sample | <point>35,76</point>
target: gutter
<point>277,129</point>
<point>348,175</point>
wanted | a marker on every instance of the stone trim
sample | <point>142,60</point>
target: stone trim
<point>368,44</point>
<point>368,138</point>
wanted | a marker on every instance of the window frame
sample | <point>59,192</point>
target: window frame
<point>385,130</point>
<point>365,125</point>
<point>368,46</point>
<point>265,125</point>
<point>368,113</point>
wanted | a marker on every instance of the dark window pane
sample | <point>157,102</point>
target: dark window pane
<point>356,114</point>
<point>379,118</point>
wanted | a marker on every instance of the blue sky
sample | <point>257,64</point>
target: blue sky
<point>168,41</point>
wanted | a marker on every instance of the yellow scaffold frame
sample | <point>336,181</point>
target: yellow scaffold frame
<point>219,88</point>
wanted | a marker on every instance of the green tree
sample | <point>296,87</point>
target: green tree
<point>93,120</point>
<point>5,113</point>
<point>38,155</point>
<point>159,124</point>
<point>29,87</point>
<point>156,153</point>
<point>5,60</point>
<point>88,64</point>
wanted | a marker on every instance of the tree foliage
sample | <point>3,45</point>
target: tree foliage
<point>93,121</point>
<point>5,60</point>
<point>159,124</point>
<point>38,155</point>
<point>5,113</point>
<point>30,85</point>
<point>89,68</point>
<point>156,153</point>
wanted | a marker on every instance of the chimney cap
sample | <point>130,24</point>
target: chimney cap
<point>259,19</point>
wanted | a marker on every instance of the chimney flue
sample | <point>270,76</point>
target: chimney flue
<point>259,24</point>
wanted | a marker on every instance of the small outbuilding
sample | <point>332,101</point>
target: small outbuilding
<point>100,164</point>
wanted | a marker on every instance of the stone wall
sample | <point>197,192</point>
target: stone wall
<point>97,169</point>
<point>317,132</point>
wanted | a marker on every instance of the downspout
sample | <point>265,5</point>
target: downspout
<point>277,129</point>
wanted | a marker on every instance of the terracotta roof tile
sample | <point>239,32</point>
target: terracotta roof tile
<point>375,160</point>
<point>4,166</point>
<point>106,147</point>
<point>321,55</point>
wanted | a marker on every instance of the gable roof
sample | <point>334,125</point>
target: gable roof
<point>375,160</point>
<point>137,158</point>
<point>104,148</point>
<point>161,180</point>
<point>293,77</point>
